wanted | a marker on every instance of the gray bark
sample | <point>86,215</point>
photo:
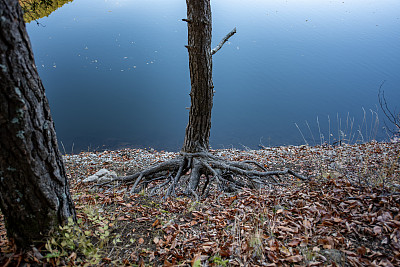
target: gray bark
<point>34,190</point>
<point>200,66</point>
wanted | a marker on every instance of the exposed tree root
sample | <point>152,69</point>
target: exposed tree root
<point>196,173</point>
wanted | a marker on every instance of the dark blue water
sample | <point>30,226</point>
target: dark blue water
<point>116,72</point>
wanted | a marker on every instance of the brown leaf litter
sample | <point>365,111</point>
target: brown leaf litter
<point>346,215</point>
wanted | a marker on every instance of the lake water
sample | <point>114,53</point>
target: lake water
<point>116,72</point>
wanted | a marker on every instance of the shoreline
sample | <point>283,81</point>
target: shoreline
<point>368,159</point>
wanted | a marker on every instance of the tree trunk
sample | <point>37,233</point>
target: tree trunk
<point>200,66</point>
<point>34,190</point>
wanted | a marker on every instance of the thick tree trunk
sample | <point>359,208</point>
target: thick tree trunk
<point>34,191</point>
<point>200,65</point>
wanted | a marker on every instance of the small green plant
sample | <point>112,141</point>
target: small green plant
<point>197,263</point>
<point>102,231</point>
<point>85,239</point>
<point>194,206</point>
<point>71,239</point>
<point>256,244</point>
<point>309,254</point>
<point>142,192</point>
<point>217,260</point>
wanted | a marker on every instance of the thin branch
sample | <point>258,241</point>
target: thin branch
<point>223,41</point>
<point>386,110</point>
<point>384,105</point>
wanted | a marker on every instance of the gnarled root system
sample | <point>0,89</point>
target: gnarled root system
<point>196,173</point>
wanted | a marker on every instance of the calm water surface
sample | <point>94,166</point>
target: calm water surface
<point>116,72</point>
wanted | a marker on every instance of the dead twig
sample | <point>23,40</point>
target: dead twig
<point>391,116</point>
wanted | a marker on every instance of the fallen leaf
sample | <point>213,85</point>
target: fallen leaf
<point>296,258</point>
<point>143,219</point>
<point>316,249</point>
<point>377,230</point>
<point>196,259</point>
<point>361,251</point>
<point>72,256</point>
<point>157,222</point>
<point>294,243</point>
<point>337,220</point>
<point>287,229</point>
<point>106,259</point>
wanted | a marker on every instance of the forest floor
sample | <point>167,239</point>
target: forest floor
<point>347,214</point>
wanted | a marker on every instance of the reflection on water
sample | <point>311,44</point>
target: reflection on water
<point>37,9</point>
<point>116,72</point>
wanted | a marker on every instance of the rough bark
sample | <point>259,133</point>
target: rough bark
<point>34,190</point>
<point>200,66</point>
